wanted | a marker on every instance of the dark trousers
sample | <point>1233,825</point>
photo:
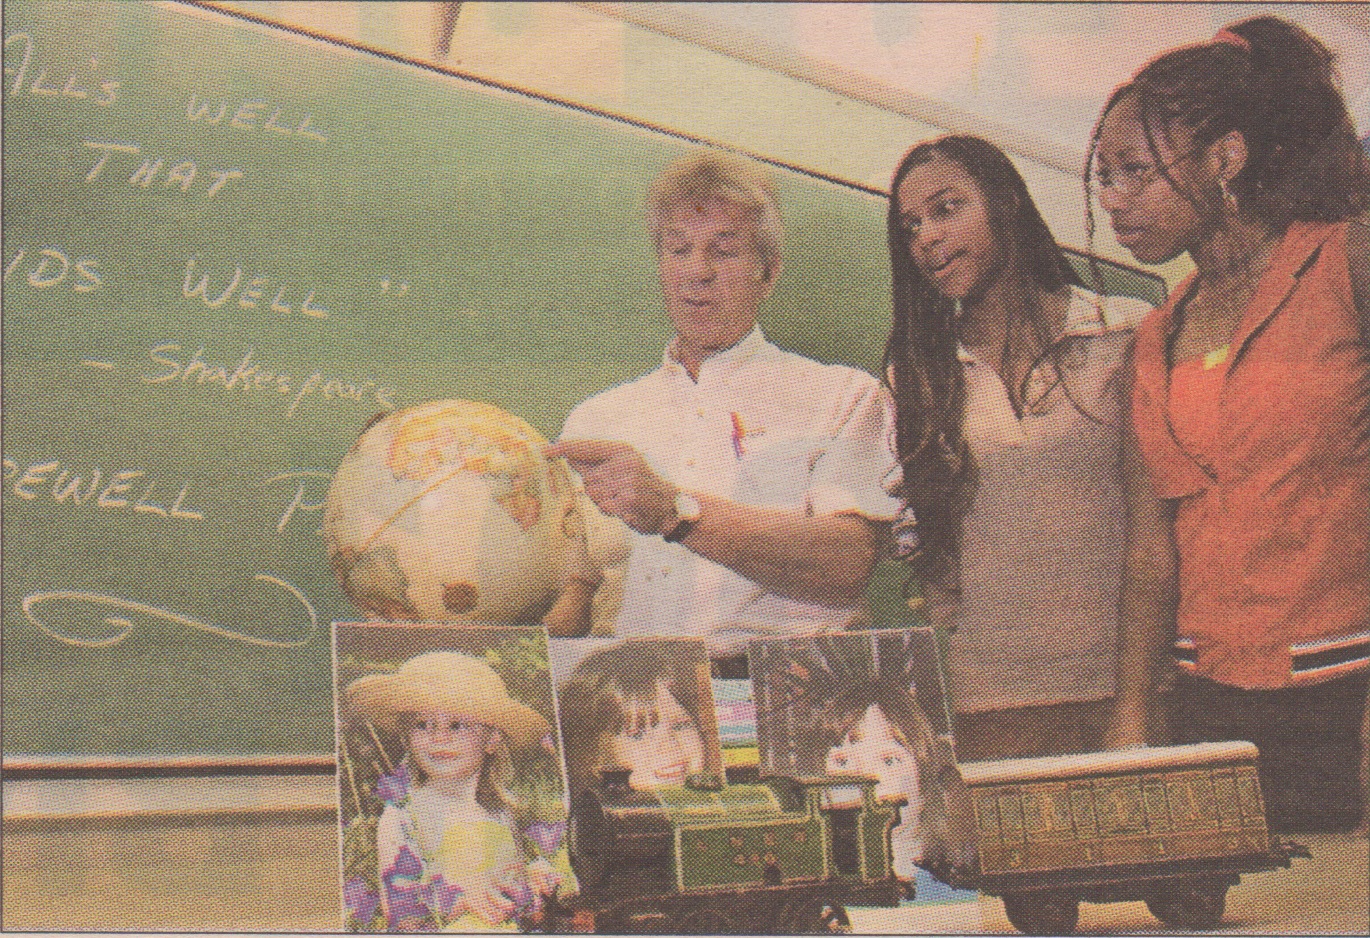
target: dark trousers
<point>1310,742</point>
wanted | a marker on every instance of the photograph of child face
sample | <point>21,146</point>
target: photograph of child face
<point>874,746</point>
<point>450,748</point>
<point>643,705</point>
<point>659,740</point>
<point>870,704</point>
<point>450,794</point>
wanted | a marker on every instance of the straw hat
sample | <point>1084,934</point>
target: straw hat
<point>449,682</point>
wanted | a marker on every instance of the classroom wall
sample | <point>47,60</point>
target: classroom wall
<point>839,88</point>
<point>784,103</point>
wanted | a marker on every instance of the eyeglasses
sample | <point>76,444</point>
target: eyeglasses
<point>1132,177</point>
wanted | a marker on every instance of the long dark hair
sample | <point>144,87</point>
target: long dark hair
<point>1272,82</point>
<point>921,362</point>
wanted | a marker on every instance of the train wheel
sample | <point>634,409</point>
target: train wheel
<point>810,918</point>
<point>773,918</point>
<point>704,921</point>
<point>1191,904</point>
<point>1042,913</point>
<point>833,920</point>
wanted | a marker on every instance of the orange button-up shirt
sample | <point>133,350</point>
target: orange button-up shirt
<point>1272,523</point>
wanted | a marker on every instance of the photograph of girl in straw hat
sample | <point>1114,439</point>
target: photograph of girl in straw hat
<point>871,704</point>
<point>451,797</point>
<point>643,705</point>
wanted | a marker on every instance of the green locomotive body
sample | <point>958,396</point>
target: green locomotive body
<point>783,855</point>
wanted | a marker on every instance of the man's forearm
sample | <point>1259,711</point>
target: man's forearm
<point>825,559</point>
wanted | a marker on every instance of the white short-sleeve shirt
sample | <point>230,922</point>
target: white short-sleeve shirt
<point>761,426</point>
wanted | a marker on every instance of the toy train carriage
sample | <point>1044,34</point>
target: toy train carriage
<point>785,855</point>
<point>1173,826</point>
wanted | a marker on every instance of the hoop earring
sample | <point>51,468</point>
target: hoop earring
<point>1229,199</point>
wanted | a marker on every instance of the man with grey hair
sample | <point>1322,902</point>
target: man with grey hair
<point>750,475</point>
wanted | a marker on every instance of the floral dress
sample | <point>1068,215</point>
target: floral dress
<point>432,848</point>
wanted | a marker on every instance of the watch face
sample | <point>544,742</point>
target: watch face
<point>687,507</point>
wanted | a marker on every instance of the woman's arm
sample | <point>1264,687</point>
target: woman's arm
<point>1146,614</point>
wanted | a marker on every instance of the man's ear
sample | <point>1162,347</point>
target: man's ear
<point>769,274</point>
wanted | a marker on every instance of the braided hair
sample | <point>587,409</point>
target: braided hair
<point>1276,85</point>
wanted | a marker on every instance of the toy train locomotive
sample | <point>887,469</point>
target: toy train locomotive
<point>1172,826</point>
<point>783,856</point>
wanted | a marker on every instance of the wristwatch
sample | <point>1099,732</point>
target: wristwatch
<point>687,512</point>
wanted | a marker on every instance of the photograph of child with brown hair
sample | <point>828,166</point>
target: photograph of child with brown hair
<point>643,705</point>
<point>451,797</point>
<point>872,704</point>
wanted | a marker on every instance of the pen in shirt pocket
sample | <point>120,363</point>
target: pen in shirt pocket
<point>740,433</point>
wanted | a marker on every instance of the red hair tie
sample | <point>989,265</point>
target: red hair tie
<point>1232,39</point>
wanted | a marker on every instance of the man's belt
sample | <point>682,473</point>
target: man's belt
<point>729,667</point>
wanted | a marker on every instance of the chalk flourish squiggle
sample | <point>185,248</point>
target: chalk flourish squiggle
<point>123,626</point>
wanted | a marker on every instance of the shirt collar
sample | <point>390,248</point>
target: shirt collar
<point>1084,316</point>
<point>730,359</point>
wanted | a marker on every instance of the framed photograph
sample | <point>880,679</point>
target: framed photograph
<point>644,705</point>
<point>871,704</point>
<point>450,792</point>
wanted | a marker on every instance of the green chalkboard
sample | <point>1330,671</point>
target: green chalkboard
<point>227,247</point>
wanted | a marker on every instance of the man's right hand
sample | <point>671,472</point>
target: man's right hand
<point>621,483</point>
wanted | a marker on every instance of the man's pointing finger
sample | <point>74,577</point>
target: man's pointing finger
<point>586,452</point>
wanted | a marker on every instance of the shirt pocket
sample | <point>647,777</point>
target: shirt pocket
<point>775,467</point>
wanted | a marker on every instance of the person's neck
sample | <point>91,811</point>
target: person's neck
<point>984,320</point>
<point>1236,252</point>
<point>460,789</point>
<point>692,357</point>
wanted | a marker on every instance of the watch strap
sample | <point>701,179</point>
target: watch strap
<point>687,510</point>
<point>681,530</point>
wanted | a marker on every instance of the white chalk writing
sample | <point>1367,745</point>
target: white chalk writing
<point>127,489</point>
<point>250,293</point>
<point>116,628</point>
<point>49,267</point>
<point>78,84</point>
<point>252,115</point>
<point>250,377</point>
<point>180,174</point>
<point>303,479</point>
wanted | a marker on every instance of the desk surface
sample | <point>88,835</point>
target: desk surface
<point>1325,895</point>
<point>276,870</point>
<point>282,877</point>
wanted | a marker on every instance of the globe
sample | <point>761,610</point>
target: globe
<point>448,511</point>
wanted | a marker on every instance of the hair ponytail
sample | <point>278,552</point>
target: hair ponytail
<point>1312,168</point>
<point>1278,47</point>
<point>1271,81</point>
